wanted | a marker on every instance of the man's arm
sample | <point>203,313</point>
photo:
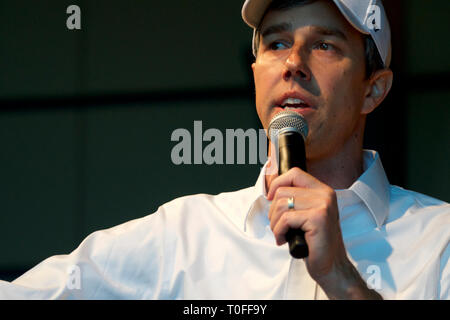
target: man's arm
<point>123,262</point>
<point>346,283</point>
<point>444,276</point>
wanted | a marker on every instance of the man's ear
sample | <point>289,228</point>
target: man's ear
<point>378,87</point>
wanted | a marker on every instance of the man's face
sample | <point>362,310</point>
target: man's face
<point>311,54</point>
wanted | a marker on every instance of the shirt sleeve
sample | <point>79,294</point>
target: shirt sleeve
<point>71,276</point>
<point>123,262</point>
<point>444,284</point>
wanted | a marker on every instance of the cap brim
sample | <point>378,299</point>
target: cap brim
<point>253,11</point>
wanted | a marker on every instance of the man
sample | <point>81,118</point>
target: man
<point>366,238</point>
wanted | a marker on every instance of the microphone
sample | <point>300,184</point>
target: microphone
<point>288,131</point>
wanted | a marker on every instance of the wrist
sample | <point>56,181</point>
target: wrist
<point>344,282</point>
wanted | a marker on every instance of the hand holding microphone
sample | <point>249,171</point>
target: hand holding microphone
<point>310,223</point>
<point>288,130</point>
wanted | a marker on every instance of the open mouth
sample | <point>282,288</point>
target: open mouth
<point>293,103</point>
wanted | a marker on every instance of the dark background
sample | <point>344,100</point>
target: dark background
<point>86,115</point>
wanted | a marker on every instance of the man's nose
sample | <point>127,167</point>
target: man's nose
<point>295,67</point>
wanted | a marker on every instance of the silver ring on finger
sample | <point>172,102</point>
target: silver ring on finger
<point>291,203</point>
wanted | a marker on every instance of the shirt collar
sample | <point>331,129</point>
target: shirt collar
<point>372,187</point>
<point>258,198</point>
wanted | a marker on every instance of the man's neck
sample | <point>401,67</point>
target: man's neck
<point>339,170</point>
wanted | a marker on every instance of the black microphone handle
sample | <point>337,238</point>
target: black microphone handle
<point>291,148</point>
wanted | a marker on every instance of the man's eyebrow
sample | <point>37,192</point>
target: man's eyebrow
<point>283,27</point>
<point>276,28</point>
<point>329,31</point>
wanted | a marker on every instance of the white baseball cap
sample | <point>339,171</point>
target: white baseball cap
<point>367,16</point>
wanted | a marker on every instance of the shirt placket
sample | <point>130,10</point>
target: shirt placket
<point>299,284</point>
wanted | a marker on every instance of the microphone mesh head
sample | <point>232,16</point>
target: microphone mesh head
<point>288,120</point>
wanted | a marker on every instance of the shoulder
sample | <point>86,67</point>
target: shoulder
<point>416,201</point>
<point>230,204</point>
<point>221,199</point>
<point>422,212</point>
<point>416,238</point>
<point>183,211</point>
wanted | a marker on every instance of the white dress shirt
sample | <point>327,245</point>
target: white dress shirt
<point>221,247</point>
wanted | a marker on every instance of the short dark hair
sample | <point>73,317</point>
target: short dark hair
<point>372,56</point>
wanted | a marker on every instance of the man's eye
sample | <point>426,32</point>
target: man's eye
<point>277,45</point>
<point>324,46</point>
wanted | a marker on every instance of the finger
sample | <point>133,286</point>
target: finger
<point>302,195</point>
<point>302,201</point>
<point>281,202</point>
<point>290,220</point>
<point>277,209</point>
<point>294,177</point>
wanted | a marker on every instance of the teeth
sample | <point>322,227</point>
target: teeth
<point>292,101</point>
